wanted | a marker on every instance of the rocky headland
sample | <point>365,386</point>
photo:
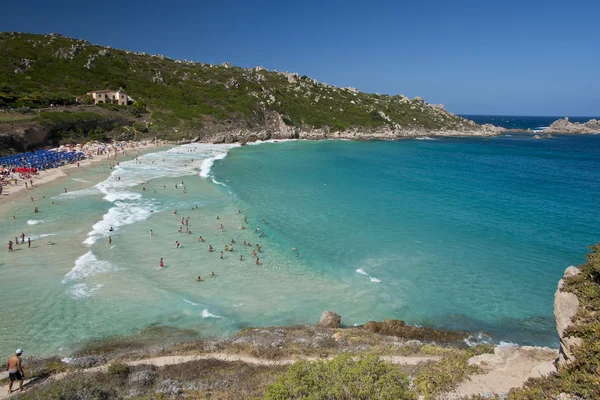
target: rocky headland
<point>187,100</point>
<point>566,126</point>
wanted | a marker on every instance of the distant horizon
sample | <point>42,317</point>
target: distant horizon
<point>478,58</point>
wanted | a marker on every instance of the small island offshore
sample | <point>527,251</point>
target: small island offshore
<point>68,106</point>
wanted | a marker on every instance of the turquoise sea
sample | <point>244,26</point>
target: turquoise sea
<point>469,233</point>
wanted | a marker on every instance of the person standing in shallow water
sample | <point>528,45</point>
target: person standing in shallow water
<point>162,264</point>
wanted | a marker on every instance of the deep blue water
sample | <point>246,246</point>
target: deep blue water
<point>521,122</point>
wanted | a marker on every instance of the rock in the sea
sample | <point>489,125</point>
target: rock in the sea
<point>565,308</point>
<point>566,126</point>
<point>329,319</point>
<point>396,327</point>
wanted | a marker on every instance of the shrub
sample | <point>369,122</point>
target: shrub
<point>342,378</point>
<point>118,369</point>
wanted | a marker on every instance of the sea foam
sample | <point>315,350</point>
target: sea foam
<point>207,314</point>
<point>88,265</point>
<point>82,291</point>
<point>361,271</point>
<point>35,221</point>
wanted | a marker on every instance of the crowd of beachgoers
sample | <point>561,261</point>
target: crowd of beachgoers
<point>21,169</point>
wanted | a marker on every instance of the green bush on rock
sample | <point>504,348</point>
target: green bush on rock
<point>342,378</point>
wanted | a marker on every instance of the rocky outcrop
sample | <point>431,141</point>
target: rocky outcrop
<point>507,368</point>
<point>329,319</point>
<point>566,126</point>
<point>24,65</point>
<point>159,78</point>
<point>89,64</point>
<point>396,327</point>
<point>565,309</point>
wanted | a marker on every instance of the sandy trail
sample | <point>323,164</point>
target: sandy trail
<point>172,360</point>
<point>509,367</point>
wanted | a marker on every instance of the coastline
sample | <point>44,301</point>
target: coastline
<point>55,175</point>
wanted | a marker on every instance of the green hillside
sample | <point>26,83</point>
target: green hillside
<point>39,70</point>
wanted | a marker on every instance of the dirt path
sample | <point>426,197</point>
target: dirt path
<point>172,360</point>
<point>509,367</point>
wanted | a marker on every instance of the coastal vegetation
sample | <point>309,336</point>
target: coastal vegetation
<point>185,98</point>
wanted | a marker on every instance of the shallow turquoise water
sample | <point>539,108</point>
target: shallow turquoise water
<point>457,233</point>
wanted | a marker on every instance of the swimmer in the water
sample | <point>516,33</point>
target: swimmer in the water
<point>210,249</point>
<point>162,264</point>
<point>109,240</point>
<point>180,229</point>
<point>254,253</point>
<point>262,234</point>
<point>198,279</point>
<point>213,274</point>
<point>177,244</point>
<point>297,254</point>
<point>232,241</point>
<point>257,229</point>
<point>258,261</point>
<point>175,212</point>
<point>221,255</point>
<point>230,247</point>
<point>200,239</point>
<point>221,228</point>
<point>151,233</point>
<point>217,217</point>
<point>242,227</point>
<point>294,248</point>
<point>111,229</point>
<point>241,259</point>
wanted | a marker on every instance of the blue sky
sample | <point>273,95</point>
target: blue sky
<point>508,57</point>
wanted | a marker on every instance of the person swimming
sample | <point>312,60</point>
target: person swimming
<point>198,279</point>
<point>230,247</point>
<point>210,249</point>
<point>254,253</point>
<point>213,274</point>
<point>221,228</point>
<point>180,229</point>
<point>151,233</point>
<point>109,240</point>
<point>177,244</point>
<point>221,255</point>
<point>200,239</point>
<point>111,229</point>
<point>258,261</point>
<point>241,259</point>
